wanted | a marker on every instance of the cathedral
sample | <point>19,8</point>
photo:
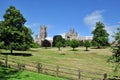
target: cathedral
<point>71,35</point>
<point>43,34</point>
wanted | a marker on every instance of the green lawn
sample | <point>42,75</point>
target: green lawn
<point>11,74</point>
<point>94,60</point>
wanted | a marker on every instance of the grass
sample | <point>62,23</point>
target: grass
<point>94,60</point>
<point>11,74</point>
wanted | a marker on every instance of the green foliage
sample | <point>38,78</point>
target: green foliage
<point>55,39</point>
<point>46,43</point>
<point>74,44</point>
<point>115,58</point>
<point>81,43</point>
<point>35,45</point>
<point>67,42</point>
<point>59,44</point>
<point>58,41</point>
<point>13,33</point>
<point>87,44</point>
<point>11,74</point>
<point>100,35</point>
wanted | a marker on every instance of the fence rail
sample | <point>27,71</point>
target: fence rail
<point>55,70</point>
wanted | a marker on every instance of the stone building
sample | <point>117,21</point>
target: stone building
<point>43,32</point>
<point>71,35</point>
<point>42,35</point>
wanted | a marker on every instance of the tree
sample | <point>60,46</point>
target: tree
<point>100,35</point>
<point>46,43</point>
<point>87,44</point>
<point>81,43</point>
<point>13,33</point>
<point>58,45</point>
<point>115,58</point>
<point>59,42</point>
<point>74,44</point>
<point>54,39</point>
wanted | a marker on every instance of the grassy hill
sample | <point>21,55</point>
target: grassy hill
<point>94,60</point>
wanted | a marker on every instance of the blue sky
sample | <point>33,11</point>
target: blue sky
<point>61,15</point>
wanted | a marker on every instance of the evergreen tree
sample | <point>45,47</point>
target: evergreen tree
<point>100,35</point>
<point>13,33</point>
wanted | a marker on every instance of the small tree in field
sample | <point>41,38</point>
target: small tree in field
<point>58,45</point>
<point>74,44</point>
<point>87,44</point>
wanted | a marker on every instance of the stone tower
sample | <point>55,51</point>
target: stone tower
<point>43,32</point>
<point>71,35</point>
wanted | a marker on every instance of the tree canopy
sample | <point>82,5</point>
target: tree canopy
<point>87,44</point>
<point>74,44</point>
<point>100,35</point>
<point>13,33</point>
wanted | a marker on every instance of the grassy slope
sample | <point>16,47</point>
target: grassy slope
<point>93,60</point>
<point>9,74</point>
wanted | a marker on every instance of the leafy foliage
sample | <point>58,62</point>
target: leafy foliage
<point>81,43</point>
<point>46,43</point>
<point>35,45</point>
<point>87,44</point>
<point>74,44</point>
<point>100,35</point>
<point>59,41</point>
<point>115,58</point>
<point>13,33</point>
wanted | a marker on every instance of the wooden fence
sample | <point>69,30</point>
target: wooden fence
<point>54,70</point>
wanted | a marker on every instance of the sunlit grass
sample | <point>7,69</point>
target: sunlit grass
<point>94,60</point>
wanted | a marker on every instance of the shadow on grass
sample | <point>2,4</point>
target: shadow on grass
<point>6,73</point>
<point>74,50</point>
<point>86,50</point>
<point>18,54</point>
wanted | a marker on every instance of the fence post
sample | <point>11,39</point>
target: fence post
<point>79,75</point>
<point>6,60</point>
<point>57,71</point>
<point>38,67</point>
<point>105,77</point>
<point>19,67</point>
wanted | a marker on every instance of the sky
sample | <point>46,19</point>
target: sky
<point>61,15</point>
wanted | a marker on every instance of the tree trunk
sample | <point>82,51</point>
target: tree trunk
<point>59,48</point>
<point>11,51</point>
<point>86,48</point>
<point>73,49</point>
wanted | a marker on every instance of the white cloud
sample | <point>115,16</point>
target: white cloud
<point>91,19</point>
<point>111,29</point>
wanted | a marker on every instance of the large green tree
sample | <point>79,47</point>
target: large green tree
<point>100,35</point>
<point>13,33</point>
